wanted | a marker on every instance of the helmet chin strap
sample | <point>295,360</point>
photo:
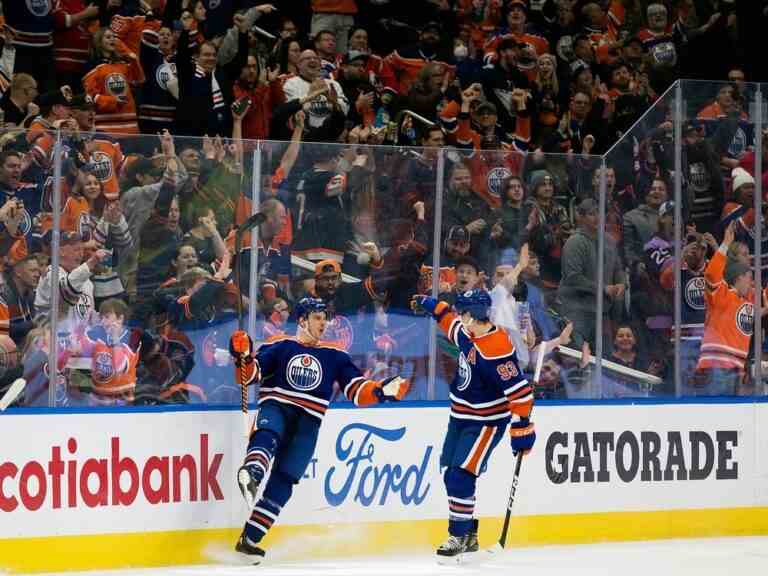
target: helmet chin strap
<point>468,324</point>
<point>305,335</point>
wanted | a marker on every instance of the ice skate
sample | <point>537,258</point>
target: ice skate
<point>451,550</point>
<point>472,544</point>
<point>249,553</point>
<point>248,479</point>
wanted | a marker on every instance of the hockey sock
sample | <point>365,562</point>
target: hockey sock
<point>265,511</point>
<point>261,451</point>
<point>460,486</point>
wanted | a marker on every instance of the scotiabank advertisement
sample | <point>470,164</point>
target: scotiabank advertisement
<point>132,472</point>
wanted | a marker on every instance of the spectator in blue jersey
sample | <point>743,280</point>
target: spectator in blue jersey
<point>17,297</point>
<point>205,89</point>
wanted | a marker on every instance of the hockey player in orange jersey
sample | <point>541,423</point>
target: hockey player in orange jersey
<point>728,325</point>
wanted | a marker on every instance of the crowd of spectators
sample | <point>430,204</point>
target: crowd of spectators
<point>158,104</point>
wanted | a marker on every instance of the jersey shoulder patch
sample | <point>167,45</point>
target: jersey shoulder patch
<point>494,345</point>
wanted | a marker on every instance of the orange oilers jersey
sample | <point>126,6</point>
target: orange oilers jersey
<point>491,170</point>
<point>75,216</point>
<point>113,364</point>
<point>539,44</point>
<point>488,386</point>
<point>729,321</point>
<point>41,136</point>
<point>129,29</point>
<point>406,65</point>
<point>106,160</point>
<point>109,84</point>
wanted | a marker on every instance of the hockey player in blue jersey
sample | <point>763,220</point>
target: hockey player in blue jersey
<point>297,375</point>
<point>487,391</point>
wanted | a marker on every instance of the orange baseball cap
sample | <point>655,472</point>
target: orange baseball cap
<point>323,266</point>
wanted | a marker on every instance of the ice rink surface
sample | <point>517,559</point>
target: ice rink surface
<point>702,557</point>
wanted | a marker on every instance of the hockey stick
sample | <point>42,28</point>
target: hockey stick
<point>12,393</point>
<point>499,546</point>
<point>241,372</point>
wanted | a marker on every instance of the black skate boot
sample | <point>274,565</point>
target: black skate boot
<point>451,550</point>
<point>472,543</point>
<point>248,479</point>
<point>250,554</point>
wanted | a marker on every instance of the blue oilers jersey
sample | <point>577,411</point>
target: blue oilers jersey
<point>489,385</point>
<point>303,376</point>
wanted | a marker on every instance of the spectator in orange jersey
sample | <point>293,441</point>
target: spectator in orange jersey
<point>728,325</point>
<point>407,62</point>
<point>110,85</point>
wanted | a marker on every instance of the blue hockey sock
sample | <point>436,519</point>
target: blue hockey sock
<point>460,486</point>
<point>265,511</point>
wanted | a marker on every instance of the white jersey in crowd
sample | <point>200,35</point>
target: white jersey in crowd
<point>319,108</point>
<point>504,313</point>
<point>75,296</point>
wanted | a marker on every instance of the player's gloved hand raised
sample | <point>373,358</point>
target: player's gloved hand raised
<point>240,345</point>
<point>393,389</point>
<point>523,436</point>
<point>422,304</point>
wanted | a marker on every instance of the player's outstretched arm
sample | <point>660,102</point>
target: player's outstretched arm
<point>364,392</point>
<point>241,349</point>
<point>439,310</point>
<point>423,304</point>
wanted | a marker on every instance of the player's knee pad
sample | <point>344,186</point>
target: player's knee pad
<point>459,482</point>
<point>279,488</point>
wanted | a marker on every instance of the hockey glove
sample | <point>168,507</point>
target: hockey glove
<point>422,304</point>
<point>392,389</point>
<point>523,436</point>
<point>240,345</point>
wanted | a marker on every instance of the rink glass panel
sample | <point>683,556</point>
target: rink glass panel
<point>180,352</point>
<point>641,222</point>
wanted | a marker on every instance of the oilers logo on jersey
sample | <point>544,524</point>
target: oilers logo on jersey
<point>664,54</point>
<point>25,225</point>
<point>319,110</point>
<point>83,307</point>
<point>738,145</point>
<point>465,373</point>
<point>304,372</point>
<point>103,372</point>
<point>39,7</point>
<point>101,165</point>
<point>694,293</point>
<point>164,73</point>
<point>116,84</point>
<point>495,181</point>
<point>745,319</point>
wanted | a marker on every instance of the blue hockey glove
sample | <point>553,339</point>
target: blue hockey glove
<point>422,304</point>
<point>523,436</point>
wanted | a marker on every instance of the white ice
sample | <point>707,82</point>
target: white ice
<point>702,557</point>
